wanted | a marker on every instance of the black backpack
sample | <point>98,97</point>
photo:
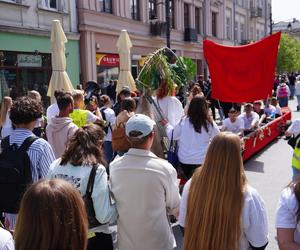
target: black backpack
<point>108,126</point>
<point>15,173</point>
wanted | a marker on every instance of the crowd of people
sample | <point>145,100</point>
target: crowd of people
<point>86,164</point>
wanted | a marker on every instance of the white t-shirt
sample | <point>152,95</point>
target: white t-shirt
<point>7,128</point>
<point>171,108</point>
<point>254,217</point>
<point>6,240</point>
<point>52,111</point>
<point>295,127</point>
<point>192,146</point>
<point>111,118</point>
<point>286,212</point>
<point>270,110</point>
<point>234,127</point>
<point>248,120</point>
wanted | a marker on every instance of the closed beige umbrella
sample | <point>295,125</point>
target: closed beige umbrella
<point>125,78</point>
<point>59,78</point>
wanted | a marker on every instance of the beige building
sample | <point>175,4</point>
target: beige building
<point>230,22</point>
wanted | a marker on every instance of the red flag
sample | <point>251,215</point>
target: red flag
<point>242,73</point>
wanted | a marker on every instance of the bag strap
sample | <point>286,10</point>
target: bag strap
<point>27,143</point>
<point>90,185</point>
<point>5,142</point>
<point>172,140</point>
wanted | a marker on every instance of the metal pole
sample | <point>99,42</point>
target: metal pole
<point>168,28</point>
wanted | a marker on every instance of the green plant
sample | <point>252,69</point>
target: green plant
<point>163,67</point>
<point>190,67</point>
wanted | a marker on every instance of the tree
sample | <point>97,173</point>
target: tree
<point>288,59</point>
<point>190,67</point>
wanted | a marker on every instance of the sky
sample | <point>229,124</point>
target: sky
<point>283,10</point>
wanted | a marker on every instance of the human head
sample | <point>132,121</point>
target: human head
<point>232,114</point>
<point>25,111</point>
<point>85,147</point>
<point>35,95</point>
<point>274,101</point>
<point>196,90</point>
<point>78,97</point>
<point>92,103</point>
<point>104,101</point>
<point>220,182</point>
<point>52,216</point>
<point>57,93</point>
<point>124,93</point>
<point>139,131</point>
<point>248,108</point>
<point>5,107</point>
<point>198,113</point>
<point>65,103</point>
<point>128,104</point>
<point>257,106</point>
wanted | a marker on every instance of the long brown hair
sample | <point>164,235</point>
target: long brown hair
<point>52,216</point>
<point>198,113</point>
<point>6,105</point>
<point>85,147</point>
<point>215,202</point>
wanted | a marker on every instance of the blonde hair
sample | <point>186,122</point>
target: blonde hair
<point>5,107</point>
<point>215,201</point>
<point>78,96</point>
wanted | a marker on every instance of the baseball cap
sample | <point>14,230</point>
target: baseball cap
<point>140,123</point>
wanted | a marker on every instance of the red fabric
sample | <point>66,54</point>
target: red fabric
<point>242,73</point>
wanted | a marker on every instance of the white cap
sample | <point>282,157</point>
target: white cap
<point>140,123</point>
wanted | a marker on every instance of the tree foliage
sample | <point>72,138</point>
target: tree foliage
<point>190,67</point>
<point>288,59</point>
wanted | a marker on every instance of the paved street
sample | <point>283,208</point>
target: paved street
<point>269,172</point>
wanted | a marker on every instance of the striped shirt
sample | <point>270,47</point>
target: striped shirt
<point>40,153</point>
<point>41,156</point>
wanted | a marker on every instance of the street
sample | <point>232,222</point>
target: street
<point>269,172</point>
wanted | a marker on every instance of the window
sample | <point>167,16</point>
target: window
<point>236,31</point>
<point>198,20</point>
<point>242,30</point>
<point>172,14</point>
<point>106,6</point>
<point>186,16</point>
<point>257,34</point>
<point>228,28</point>
<point>51,4</point>
<point>214,24</point>
<point>135,9</point>
<point>152,9</point>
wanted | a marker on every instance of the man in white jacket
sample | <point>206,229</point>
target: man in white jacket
<point>61,128</point>
<point>145,189</point>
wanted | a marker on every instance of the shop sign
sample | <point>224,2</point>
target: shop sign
<point>25,60</point>
<point>108,60</point>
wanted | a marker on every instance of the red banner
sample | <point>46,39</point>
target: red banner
<point>242,73</point>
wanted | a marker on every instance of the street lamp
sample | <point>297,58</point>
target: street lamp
<point>289,27</point>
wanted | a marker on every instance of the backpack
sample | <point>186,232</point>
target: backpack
<point>15,173</point>
<point>107,126</point>
<point>283,92</point>
<point>119,140</point>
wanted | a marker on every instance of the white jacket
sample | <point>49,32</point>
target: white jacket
<point>78,176</point>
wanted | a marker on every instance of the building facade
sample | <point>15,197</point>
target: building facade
<point>25,49</point>
<point>290,27</point>
<point>230,22</point>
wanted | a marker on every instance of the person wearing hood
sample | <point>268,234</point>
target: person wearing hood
<point>61,128</point>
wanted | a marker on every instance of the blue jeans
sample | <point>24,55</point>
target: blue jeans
<point>296,173</point>
<point>283,101</point>
<point>292,90</point>
<point>298,100</point>
<point>108,151</point>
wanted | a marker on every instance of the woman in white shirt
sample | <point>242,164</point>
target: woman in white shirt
<point>5,121</point>
<point>288,217</point>
<point>84,152</point>
<point>193,133</point>
<point>6,240</point>
<point>218,209</point>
